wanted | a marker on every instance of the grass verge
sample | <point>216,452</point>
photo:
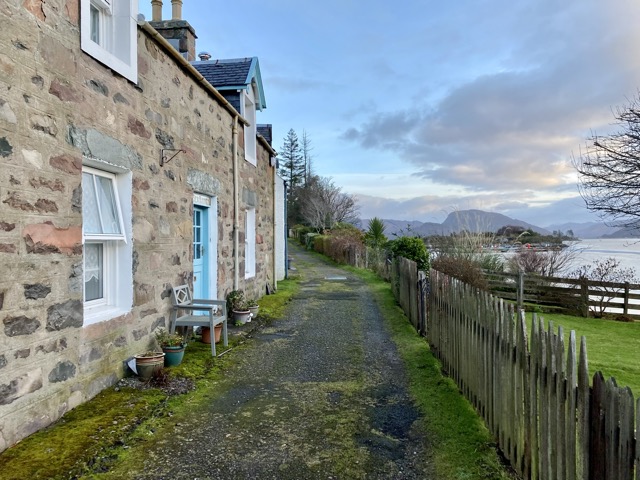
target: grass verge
<point>461,444</point>
<point>97,434</point>
<point>612,347</point>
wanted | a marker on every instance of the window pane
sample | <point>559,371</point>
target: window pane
<point>108,208</point>
<point>95,24</point>
<point>90,213</point>
<point>93,271</point>
<point>197,227</point>
<point>99,207</point>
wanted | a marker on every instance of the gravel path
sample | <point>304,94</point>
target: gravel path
<point>321,394</point>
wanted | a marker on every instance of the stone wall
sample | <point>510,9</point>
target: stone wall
<point>59,108</point>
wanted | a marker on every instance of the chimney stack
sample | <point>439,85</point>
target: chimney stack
<point>176,31</point>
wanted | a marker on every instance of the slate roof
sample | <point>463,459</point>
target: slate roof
<point>266,130</point>
<point>233,74</point>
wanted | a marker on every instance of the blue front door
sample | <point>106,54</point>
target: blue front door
<point>200,252</point>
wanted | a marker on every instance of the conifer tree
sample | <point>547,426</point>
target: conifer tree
<point>292,167</point>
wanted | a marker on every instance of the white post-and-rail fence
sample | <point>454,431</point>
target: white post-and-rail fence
<point>532,390</point>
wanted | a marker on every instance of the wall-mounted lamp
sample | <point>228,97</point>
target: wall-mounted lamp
<point>164,158</point>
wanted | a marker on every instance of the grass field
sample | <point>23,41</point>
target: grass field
<point>612,347</point>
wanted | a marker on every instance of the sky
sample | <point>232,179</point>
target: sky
<point>421,108</point>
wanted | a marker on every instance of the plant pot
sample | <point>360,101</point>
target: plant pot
<point>206,334</point>
<point>241,317</point>
<point>254,311</point>
<point>173,355</point>
<point>147,365</point>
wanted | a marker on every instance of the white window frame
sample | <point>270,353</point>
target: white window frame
<point>250,131</point>
<point>250,243</point>
<point>118,46</point>
<point>117,266</point>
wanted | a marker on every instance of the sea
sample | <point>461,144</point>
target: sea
<point>626,250</point>
<point>587,252</point>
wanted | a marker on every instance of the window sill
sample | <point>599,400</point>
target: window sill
<point>102,314</point>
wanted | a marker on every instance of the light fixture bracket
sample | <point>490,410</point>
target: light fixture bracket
<point>164,158</point>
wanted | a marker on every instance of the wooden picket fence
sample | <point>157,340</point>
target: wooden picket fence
<point>532,390</point>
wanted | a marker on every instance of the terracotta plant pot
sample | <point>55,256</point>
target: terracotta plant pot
<point>206,334</point>
<point>147,365</point>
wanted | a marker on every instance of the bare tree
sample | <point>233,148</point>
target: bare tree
<point>306,148</point>
<point>609,169</point>
<point>549,263</point>
<point>323,204</point>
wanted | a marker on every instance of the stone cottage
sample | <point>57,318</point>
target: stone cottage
<point>123,172</point>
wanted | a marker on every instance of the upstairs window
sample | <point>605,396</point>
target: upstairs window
<point>108,33</point>
<point>250,131</point>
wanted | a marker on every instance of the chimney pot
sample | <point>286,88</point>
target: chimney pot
<point>204,56</point>
<point>176,9</point>
<point>156,10</point>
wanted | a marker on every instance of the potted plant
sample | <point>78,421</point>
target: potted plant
<point>148,363</point>
<point>237,305</point>
<point>253,307</point>
<point>173,345</point>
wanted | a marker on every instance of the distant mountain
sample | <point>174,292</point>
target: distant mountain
<point>585,230</point>
<point>478,220</point>
<point>624,233</point>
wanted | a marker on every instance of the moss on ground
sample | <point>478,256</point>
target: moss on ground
<point>99,433</point>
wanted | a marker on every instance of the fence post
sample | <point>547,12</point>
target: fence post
<point>584,297</point>
<point>520,293</point>
<point>626,298</point>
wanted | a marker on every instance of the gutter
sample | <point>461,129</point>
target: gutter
<point>267,147</point>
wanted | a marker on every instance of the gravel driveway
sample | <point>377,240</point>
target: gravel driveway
<point>320,394</point>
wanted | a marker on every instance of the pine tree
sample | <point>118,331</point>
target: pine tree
<point>292,168</point>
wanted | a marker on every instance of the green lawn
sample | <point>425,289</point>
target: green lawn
<point>612,347</point>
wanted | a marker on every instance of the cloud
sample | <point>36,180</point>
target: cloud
<point>515,128</point>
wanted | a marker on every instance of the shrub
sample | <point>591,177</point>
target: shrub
<point>463,269</point>
<point>412,248</point>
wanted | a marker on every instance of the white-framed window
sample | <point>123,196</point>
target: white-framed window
<point>250,243</point>
<point>108,32</point>
<point>108,280</point>
<point>250,131</point>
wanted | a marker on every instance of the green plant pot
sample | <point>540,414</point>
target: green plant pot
<point>146,366</point>
<point>173,355</point>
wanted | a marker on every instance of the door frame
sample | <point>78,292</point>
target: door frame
<point>210,204</point>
